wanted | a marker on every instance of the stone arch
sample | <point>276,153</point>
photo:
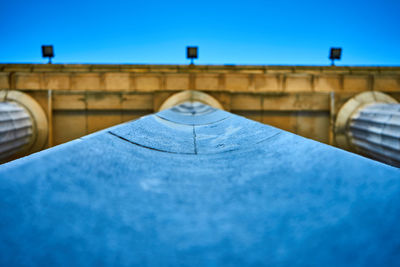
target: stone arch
<point>191,96</point>
<point>348,109</point>
<point>38,117</point>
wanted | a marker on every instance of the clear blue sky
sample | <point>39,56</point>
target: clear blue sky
<point>227,32</point>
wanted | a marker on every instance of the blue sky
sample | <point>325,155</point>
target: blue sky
<point>227,32</point>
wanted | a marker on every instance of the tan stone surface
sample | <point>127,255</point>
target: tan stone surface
<point>236,82</point>
<point>46,68</point>
<point>77,68</point>
<point>159,98</point>
<point>298,83</point>
<point>296,101</point>
<point>68,125</point>
<point>69,101</point>
<point>355,83</point>
<point>327,83</point>
<point>28,81</point>
<point>387,83</point>
<point>85,81</point>
<point>134,70</point>
<point>267,83</point>
<point>137,102</point>
<point>117,81</point>
<point>4,83</point>
<point>41,97</point>
<point>314,125</point>
<point>57,81</point>
<point>101,119</point>
<point>281,119</point>
<point>103,101</point>
<point>16,67</point>
<point>223,98</point>
<point>207,82</point>
<point>336,70</point>
<point>147,82</point>
<point>177,82</point>
<point>246,102</point>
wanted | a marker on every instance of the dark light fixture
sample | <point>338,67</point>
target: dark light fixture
<point>48,51</point>
<point>192,53</point>
<point>336,53</point>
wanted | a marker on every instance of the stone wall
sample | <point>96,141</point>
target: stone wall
<point>80,99</point>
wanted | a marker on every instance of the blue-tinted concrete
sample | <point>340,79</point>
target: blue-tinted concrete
<point>230,192</point>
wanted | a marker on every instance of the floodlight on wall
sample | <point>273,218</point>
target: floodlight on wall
<point>48,51</point>
<point>336,53</point>
<point>192,53</point>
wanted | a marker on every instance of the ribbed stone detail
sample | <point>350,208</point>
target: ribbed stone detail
<point>375,130</point>
<point>15,128</point>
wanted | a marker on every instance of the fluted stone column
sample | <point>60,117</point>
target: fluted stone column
<point>369,123</point>
<point>16,128</point>
<point>23,125</point>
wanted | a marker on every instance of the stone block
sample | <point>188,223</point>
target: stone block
<point>41,97</point>
<point>77,68</point>
<point>133,69</point>
<point>4,84</point>
<point>280,119</point>
<point>47,68</point>
<point>298,101</point>
<point>314,125</point>
<point>246,102</point>
<point>103,101</point>
<point>57,81</point>
<point>279,69</point>
<point>68,125</point>
<point>356,83</point>
<point>387,83</point>
<point>69,101</point>
<point>16,67</point>
<point>207,82</point>
<point>137,102</point>
<point>117,81</point>
<point>104,68</point>
<point>99,120</point>
<point>327,83</point>
<point>298,83</point>
<point>166,69</point>
<point>28,81</point>
<point>237,82</point>
<point>336,70</point>
<point>224,98</point>
<point>86,81</point>
<point>177,82</point>
<point>147,82</point>
<point>267,83</point>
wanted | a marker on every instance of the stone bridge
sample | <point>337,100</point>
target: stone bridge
<point>80,99</point>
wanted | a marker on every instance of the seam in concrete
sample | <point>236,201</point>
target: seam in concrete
<point>194,140</point>
<point>147,147</point>
<point>269,137</point>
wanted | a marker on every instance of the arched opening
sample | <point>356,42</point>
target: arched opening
<point>190,96</point>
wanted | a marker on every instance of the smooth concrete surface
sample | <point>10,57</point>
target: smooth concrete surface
<point>195,186</point>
